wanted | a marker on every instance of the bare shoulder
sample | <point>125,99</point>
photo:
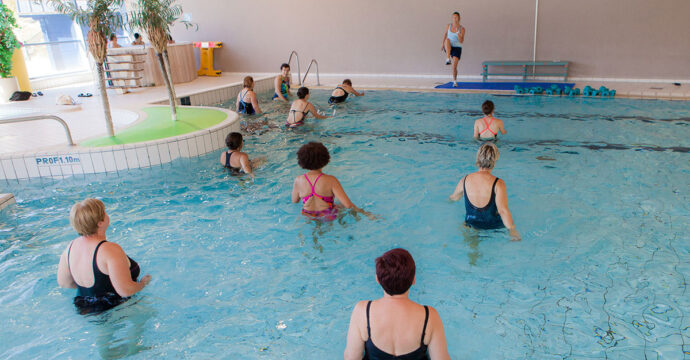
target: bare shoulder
<point>111,248</point>
<point>360,307</point>
<point>331,178</point>
<point>500,184</point>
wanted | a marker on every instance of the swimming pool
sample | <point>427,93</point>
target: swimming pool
<point>597,187</point>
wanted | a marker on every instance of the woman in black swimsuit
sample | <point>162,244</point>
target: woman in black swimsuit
<point>395,327</point>
<point>341,92</point>
<point>234,159</point>
<point>301,108</point>
<point>102,273</point>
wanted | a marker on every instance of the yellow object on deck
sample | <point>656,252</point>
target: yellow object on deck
<point>19,70</point>
<point>206,60</point>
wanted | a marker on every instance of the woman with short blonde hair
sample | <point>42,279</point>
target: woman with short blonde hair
<point>102,273</point>
<point>482,187</point>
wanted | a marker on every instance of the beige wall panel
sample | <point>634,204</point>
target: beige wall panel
<point>612,38</point>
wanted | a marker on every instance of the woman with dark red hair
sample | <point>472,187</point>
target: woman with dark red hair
<point>395,327</point>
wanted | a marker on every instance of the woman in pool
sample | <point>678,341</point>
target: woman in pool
<point>246,99</point>
<point>282,83</point>
<point>484,188</point>
<point>317,190</point>
<point>341,92</point>
<point>395,327</point>
<point>487,128</point>
<point>301,108</point>
<point>102,273</point>
<point>234,159</point>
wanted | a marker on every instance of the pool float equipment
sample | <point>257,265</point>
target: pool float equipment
<point>587,91</point>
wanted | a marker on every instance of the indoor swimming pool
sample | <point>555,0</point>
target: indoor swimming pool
<point>598,188</point>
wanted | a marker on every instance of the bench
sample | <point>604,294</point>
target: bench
<point>525,64</point>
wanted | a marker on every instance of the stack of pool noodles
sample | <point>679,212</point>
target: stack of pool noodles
<point>556,90</point>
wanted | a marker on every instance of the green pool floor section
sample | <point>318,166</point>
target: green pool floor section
<point>159,125</point>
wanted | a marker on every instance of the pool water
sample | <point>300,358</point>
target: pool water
<point>598,189</point>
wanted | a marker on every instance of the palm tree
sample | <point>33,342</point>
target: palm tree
<point>155,18</point>
<point>102,19</point>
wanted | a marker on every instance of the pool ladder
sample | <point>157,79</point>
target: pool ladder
<point>299,71</point>
<point>313,61</point>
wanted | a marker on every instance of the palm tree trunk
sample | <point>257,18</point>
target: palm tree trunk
<point>169,70</point>
<point>168,84</point>
<point>104,99</point>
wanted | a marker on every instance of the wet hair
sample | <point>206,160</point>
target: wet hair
<point>395,271</point>
<point>233,140</point>
<point>488,107</point>
<point>137,36</point>
<point>284,65</point>
<point>456,13</point>
<point>347,82</point>
<point>487,156</point>
<point>113,37</point>
<point>313,156</point>
<point>302,92</point>
<point>86,215</point>
<point>248,81</point>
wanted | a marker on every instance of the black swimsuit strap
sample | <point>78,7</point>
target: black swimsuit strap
<point>426,320</point>
<point>228,155</point>
<point>368,326</point>
<point>493,188</point>
<point>95,263</point>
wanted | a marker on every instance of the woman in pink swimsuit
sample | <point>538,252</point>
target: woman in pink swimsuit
<point>317,190</point>
<point>487,128</point>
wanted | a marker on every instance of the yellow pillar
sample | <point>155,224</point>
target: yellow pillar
<point>18,64</point>
<point>19,70</point>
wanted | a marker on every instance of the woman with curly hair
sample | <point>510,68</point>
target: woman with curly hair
<point>317,190</point>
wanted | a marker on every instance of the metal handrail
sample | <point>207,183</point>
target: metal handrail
<point>313,61</point>
<point>40,117</point>
<point>299,71</point>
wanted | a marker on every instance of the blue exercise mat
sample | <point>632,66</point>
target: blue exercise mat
<point>501,85</point>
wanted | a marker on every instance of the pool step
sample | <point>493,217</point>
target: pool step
<point>6,200</point>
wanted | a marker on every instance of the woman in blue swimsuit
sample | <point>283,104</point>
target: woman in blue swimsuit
<point>246,99</point>
<point>482,187</point>
<point>395,327</point>
<point>102,273</point>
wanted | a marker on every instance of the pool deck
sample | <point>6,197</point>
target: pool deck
<point>85,120</point>
<point>6,200</point>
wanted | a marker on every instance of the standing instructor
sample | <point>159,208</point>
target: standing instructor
<point>453,38</point>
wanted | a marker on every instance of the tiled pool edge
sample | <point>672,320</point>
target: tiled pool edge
<point>71,161</point>
<point>221,94</point>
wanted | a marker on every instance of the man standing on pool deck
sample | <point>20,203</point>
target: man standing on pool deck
<point>453,38</point>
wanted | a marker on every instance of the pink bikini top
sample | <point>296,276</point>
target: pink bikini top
<point>328,199</point>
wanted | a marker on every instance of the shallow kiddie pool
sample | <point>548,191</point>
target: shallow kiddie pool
<point>598,188</point>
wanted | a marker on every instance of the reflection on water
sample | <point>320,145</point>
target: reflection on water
<point>121,331</point>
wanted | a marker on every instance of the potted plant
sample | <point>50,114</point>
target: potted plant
<point>8,44</point>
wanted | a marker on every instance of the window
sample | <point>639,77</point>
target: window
<point>53,44</point>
